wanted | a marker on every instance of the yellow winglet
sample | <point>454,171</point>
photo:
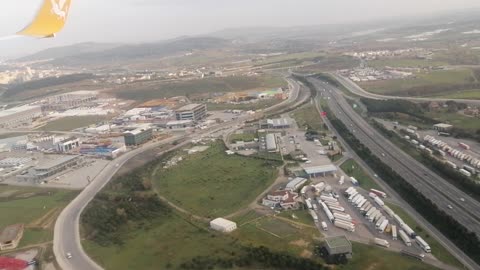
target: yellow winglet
<point>50,19</point>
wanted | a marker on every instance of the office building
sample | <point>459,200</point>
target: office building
<point>195,112</point>
<point>138,136</point>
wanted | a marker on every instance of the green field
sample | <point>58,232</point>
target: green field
<point>213,183</point>
<point>73,122</point>
<point>467,94</point>
<point>307,117</point>
<point>368,257</point>
<point>431,79</point>
<point>263,104</point>
<point>246,137</point>
<point>351,168</point>
<point>35,208</point>
<point>456,119</point>
<point>156,90</point>
<point>437,250</point>
<point>302,216</point>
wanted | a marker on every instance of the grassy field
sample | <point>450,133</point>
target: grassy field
<point>352,168</point>
<point>72,122</point>
<point>302,216</point>
<point>467,94</point>
<point>246,137</point>
<point>456,119</point>
<point>213,183</point>
<point>308,116</point>
<point>441,77</point>
<point>263,104</point>
<point>36,208</point>
<point>156,90</point>
<point>368,257</point>
<point>437,250</point>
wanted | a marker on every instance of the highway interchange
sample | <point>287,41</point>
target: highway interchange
<point>67,227</point>
<point>431,185</point>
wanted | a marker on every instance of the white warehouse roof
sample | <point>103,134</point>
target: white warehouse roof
<point>320,169</point>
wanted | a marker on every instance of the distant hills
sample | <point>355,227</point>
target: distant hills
<point>98,53</point>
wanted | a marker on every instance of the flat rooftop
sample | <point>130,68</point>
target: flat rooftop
<point>189,107</point>
<point>337,241</point>
<point>18,110</point>
<point>320,169</point>
<point>52,161</point>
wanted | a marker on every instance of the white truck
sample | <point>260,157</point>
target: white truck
<point>424,245</point>
<point>382,226</point>
<point>314,215</point>
<point>388,211</point>
<point>344,225</point>
<point>405,238</point>
<point>324,226</point>
<point>408,230</point>
<point>394,232</point>
<point>381,242</point>
<point>327,212</point>
<point>379,201</point>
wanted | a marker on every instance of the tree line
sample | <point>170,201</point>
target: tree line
<point>466,240</point>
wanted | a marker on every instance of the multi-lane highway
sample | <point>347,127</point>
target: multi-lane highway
<point>357,90</point>
<point>67,234</point>
<point>430,184</point>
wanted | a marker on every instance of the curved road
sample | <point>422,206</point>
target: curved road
<point>357,90</point>
<point>67,229</point>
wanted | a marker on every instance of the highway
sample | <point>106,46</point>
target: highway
<point>67,227</point>
<point>431,185</point>
<point>357,90</point>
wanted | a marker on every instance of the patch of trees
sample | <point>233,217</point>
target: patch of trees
<point>47,82</point>
<point>128,203</point>
<point>254,257</point>
<point>451,228</point>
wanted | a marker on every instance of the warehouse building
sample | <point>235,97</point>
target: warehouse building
<point>14,162</point>
<point>223,225</point>
<point>338,245</point>
<point>10,236</point>
<point>278,123</point>
<point>442,127</point>
<point>295,184</point>
<point>316,171</point>
<point>194,112</point>
<point>18,116</point>
<point>271,143</point>
<point>54,165</point>
<point>70,100</point>
<point>138,136</point>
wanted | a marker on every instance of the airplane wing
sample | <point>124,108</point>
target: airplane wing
<point>50,19</point>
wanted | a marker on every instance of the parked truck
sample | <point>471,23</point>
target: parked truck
<point>378,192</point>
<point>337,208</point>
<point>370,211</point>
<point>408,230</point>
<point>464,146</point>
<point>324,226</point>
<point>405,238</point>
<point>354,181</point>
<point>379,201</point>
<point>465,172</point>
<point>345,217</point>
<point>314,215</point>
<point>344,225</point>
<point>424,245</point>
<point>349,190</point>
<point>388,211</point>
<point>379,221</point>
<point>381,242</point>
<point>383,226</point>
<point>394,232</point>
<point>327,212</point>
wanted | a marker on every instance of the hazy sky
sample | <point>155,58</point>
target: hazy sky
<point>149,20</point>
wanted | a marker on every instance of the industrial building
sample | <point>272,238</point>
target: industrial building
<point>283,198</point>
<point>18,116</point>
<point>279,123</point>
<point>67,145</point>
<point>338,245</point>
<point>316,171</point>
<point>443,127</point>
<point>223,225</point>
<point>179,124</point>
<point>10,236</point>
<point>69,100</point>
<point>271,143</point>
<point>138,136</point>
<point>295,184</point>
<point>49,166</point>
<point>195,112</point>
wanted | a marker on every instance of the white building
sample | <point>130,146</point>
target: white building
<point>67,145</point>
<point>295,184</point>
<point>271,143</point>
<point>223,225</point>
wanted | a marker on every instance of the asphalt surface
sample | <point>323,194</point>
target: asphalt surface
<point>66,232</point>
<point>431,185</point>
<point>354,88</point>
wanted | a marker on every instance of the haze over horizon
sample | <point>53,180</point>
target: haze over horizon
<point>134,21</point>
